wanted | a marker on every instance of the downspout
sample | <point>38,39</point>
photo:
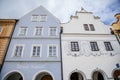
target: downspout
<point>8,46</point>
<point>61,30</point>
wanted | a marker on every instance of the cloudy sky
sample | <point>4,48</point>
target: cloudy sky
<point>62,9</point>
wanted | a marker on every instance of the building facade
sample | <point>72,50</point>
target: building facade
<point>34,51</point>
<point>6,29</point>
<point>89,50</point>
<point>116,26</point>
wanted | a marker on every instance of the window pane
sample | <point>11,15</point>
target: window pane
<point>92,27</point>
<point>108,46</point>
<point>22,31</point>
<point>94,46</point>
<point>38,31</point>
<point>86,27</point>
<point>52,31</point>
<point>74,46</point>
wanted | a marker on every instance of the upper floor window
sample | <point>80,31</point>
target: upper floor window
<point>92,27</point>
<point>74,46</point>
<point>52,50</point>
<point>94,46</point>
<point>86,27</point>
<point>0,29</point>
<point>43,18</point>
<point>52,31</point>
<point>38,31</point>
<point>37,18</point>
<point>18,50</point>
<point>36,51</point>
<point>22,31</point>
<point>108,46</point>
<point>89,27</point>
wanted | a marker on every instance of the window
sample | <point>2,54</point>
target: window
<point>92,27</point>
<point>108,46</point>
<point>36,50</point>
<point>86,27</point>
<point>74,46</point>
<point>38,31</point>
<point>18,50</point>
<point>35,18</point>
<point>52,50</point>
<point>43,18</point>
<point>89,27</point>
<point>0,29</point>
<point>52,31</point>
<point>22,31</point>
<point>94,46</point>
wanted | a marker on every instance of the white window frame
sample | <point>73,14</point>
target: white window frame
<point>19,33</point>
<point>36,30</point>
<point>43,18</point>
<point>13,54</point>
<point>40,50</point>
<point>50,31</point>
<point>35,19</point>
<point>52,53</point>
<point>1,29</point>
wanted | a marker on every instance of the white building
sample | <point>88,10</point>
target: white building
<point>89,50</point>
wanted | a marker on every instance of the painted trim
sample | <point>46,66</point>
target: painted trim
<point>43,71</point>
<point>13,71</point>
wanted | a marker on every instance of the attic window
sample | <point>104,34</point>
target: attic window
<point>38,18</point>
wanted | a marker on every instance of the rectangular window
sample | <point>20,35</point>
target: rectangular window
<point>74,46</point>
<point>36,50</point>
<point>94,46</point>
<point>52,31</point>
<point>43,18</point>
<point>52,50</point>
<point>108,46</point>
<point>18,50</point>
<point>86,27</point>
<point>38,31</point>
<point>92,27</point>
<point>35,17</point>
<point>22,31</point>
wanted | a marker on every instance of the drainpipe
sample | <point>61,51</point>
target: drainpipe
<point>61,31</point>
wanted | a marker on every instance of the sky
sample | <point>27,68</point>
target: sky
<point>62,9</point>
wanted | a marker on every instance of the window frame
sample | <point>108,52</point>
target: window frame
<point>94,46</point>
<point>48,54</point>
<point>13,54</point>
<point>36,31</point>
<point>36,45</point>
<point>50,31</point>
<point>19,33</point>
<point>108,46</point>
<point>86,27</point>
<point>43,18</point>
<point>92,28</point>
<point>33,19</point>
<point>74,46</point>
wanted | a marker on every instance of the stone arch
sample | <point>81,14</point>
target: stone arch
<point>77,75</point>
<point>116,74</point>
<point>13,76</point>
<point>43,76</point>
<point>99,75</point>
